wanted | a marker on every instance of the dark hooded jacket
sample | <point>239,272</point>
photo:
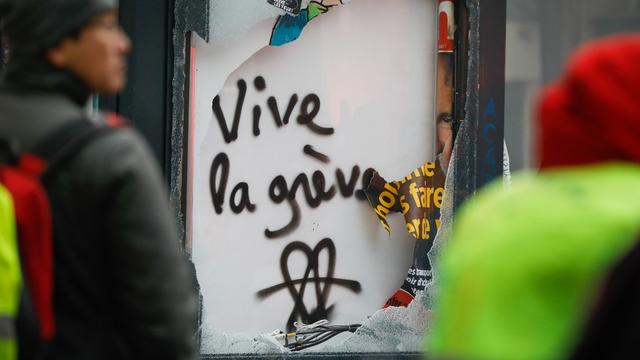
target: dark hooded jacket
<point>122,288</point>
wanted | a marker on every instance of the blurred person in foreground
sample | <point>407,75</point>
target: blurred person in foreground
<point>550,267</point>
<point>122,287</point>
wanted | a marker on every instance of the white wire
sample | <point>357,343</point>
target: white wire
<point>302,326</point>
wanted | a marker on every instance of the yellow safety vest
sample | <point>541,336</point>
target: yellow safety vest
<point>10,278</point>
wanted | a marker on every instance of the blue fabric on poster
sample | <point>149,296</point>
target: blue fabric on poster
<point>288,28</point>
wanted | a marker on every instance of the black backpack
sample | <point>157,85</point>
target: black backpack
<point>24,174</point>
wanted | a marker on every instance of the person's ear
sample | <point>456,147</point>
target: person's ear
<point>58,56</point>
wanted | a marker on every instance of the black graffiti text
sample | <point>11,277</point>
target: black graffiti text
<point>313,188</point>
<point>239,199</point>
<point>307,112</point>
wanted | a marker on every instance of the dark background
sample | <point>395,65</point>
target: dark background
<point>2,52</point>
<point>146,100</point>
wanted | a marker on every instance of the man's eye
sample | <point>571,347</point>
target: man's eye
<point>444,118</point>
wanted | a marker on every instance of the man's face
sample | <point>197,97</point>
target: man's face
<point>444,102</point>
<point>97,55</point>
<point>444,134</point>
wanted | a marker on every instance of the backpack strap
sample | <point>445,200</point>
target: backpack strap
<point>63,144</point>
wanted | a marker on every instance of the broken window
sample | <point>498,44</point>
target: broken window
<point>318,144</point>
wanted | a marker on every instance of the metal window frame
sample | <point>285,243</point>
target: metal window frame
<point>479,105</point>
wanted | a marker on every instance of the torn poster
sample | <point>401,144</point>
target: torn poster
<point>418,196</point>
<point>281,139</point>
<point>290,6</point>
<point>288,27</point>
